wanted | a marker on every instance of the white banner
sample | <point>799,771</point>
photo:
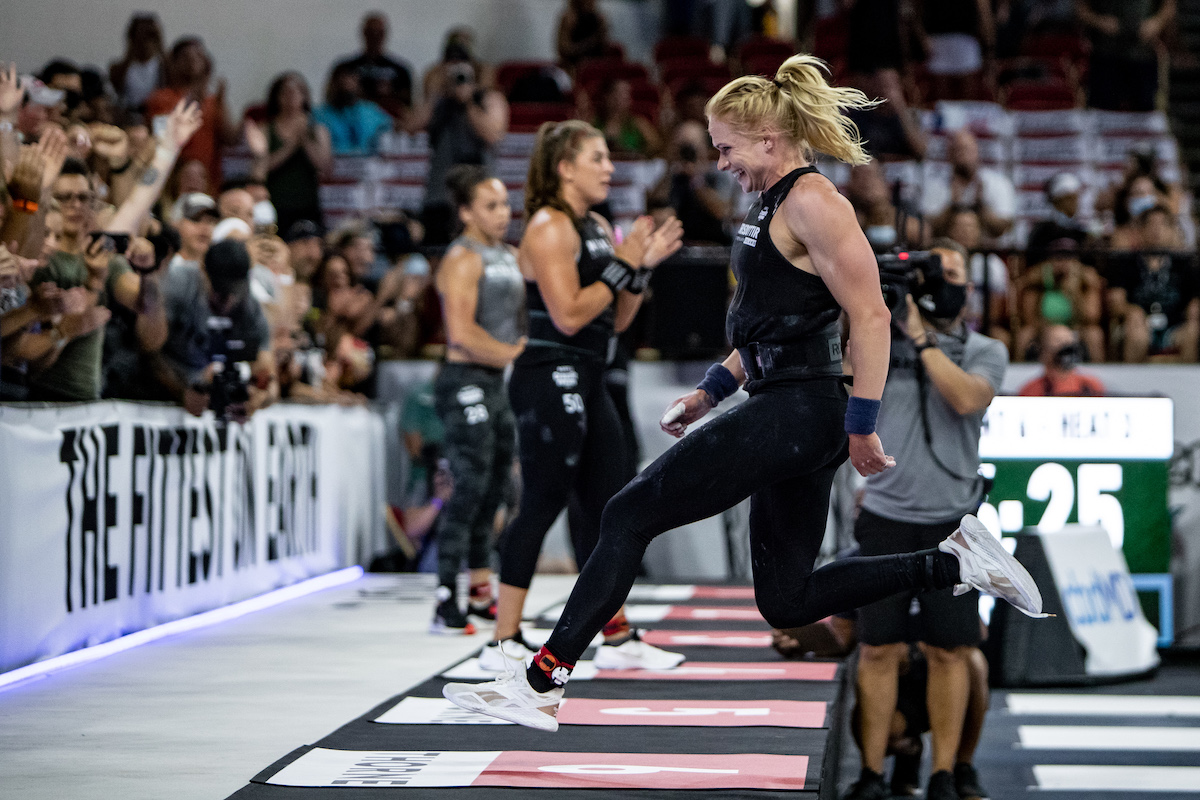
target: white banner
<point>120,516</point>
<point>1101,604</point>
<point>1078,428</point>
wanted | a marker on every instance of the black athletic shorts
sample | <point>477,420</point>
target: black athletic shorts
<point>935,618</point>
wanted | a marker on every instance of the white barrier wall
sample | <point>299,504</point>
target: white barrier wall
<point>120,516</point>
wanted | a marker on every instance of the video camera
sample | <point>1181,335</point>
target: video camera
<point>902,271</point>
<point>230,389</point>
<point>905,272</point>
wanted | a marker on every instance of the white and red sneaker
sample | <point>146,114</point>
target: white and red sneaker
<point>984,564</point>
<point>509,697</point>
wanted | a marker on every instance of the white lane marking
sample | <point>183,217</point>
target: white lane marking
<point>1108,737</point>
<point>644,614</point>
<point>1116,705</point>
<point>665,593</point>
<point>1093,778</point>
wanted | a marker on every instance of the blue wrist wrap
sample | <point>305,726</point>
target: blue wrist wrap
<point>718,383</point>
<point>861,414</point>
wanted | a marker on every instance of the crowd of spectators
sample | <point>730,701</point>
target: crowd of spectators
<point>132,267</point>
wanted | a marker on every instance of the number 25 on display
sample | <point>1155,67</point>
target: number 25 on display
<point>1054,485</point>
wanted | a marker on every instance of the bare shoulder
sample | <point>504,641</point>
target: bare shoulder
<point>461,260</point>
<point>460,266</point>
<point>550,234</point>
<point>814,206</point>
<point>602,222</point>
<point>549,223</point>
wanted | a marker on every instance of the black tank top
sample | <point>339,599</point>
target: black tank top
<point>595,253</point>
<point>775,303</point>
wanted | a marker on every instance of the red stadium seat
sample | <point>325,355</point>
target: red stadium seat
<point>509,72</point>
<point>832,38</point>
<point>525,117</point>
<point>710,84</point>
<point>763,46</point>
<point>1040,96</point>
<point>680,46</point>
<point>604,68</point>
<point>689,67</point>
<point>1057,45</point>
<point>761,63</point>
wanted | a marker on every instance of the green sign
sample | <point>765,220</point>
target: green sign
<point>1088,460</point>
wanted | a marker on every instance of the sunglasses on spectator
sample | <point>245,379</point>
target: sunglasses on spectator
<point>67,197</point>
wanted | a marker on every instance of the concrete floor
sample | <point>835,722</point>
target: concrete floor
<point>193,717</point>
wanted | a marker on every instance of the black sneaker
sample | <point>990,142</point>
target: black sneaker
<point>448,618</point>
<point>485,610</point>
<point>941,786</point>
<point>870,786</point>
<point>966,781</point>
<point>906,774</point>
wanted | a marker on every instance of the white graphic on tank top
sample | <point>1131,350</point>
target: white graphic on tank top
<point>598,247</point>
<point>469,395</point>
<point>566,377</point>
<point>749,234</point>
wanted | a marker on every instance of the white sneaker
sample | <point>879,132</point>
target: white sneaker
<point>492,659</point>
<point>633,653</point>
<point>984,564</point>
<point>509,697</point>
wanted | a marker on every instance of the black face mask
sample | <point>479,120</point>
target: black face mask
<point>942,300</point>
<point>1068,357</point>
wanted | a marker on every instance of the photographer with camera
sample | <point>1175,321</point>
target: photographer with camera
<point>218,353</point>
<point>942,379</point>
<point>1060,352</point>
<point>464,121</point>
<point>701,196</point>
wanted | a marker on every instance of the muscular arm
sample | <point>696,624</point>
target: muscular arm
<point>548,251</point>
<point>824,222</point>
<point>141,295</point>
<point>133,211</point>
<point>458,284</point>
<point>966,392</point>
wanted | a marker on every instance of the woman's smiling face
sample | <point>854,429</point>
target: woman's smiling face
<point>745,157</point>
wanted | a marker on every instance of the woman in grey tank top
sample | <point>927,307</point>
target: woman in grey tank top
<point>483,305</point>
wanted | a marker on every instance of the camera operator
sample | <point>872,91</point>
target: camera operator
<point>464,121</point>
<point>942,379</point>
<point>218,352</point>
<point>701,197</point>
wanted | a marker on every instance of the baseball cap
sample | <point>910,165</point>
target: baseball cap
<point>1063,245</point>
<point>227,264</point>
<point>302,229</point>
<point>231,228</point>
<point>1063,184</point>
<point>195,205</point>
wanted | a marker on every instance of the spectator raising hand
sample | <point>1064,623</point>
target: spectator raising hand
<point>12,91</point>
<point>36,169</point>
<point>182,123</point>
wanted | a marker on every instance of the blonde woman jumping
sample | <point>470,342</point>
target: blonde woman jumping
<point>800,260</point>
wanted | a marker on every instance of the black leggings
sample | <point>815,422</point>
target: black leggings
<point>569,439</point>
<point>780,448</point>
<point>479,444</point>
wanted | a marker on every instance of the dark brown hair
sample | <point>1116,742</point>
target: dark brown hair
<point>556,142</point>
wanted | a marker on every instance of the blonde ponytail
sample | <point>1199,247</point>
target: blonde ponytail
<point>800,104</point>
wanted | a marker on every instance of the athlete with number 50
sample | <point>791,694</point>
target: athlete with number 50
<point>581,291</point>
<point>801,260</point>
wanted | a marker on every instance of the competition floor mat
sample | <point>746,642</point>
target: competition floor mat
<point>735,718</point>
